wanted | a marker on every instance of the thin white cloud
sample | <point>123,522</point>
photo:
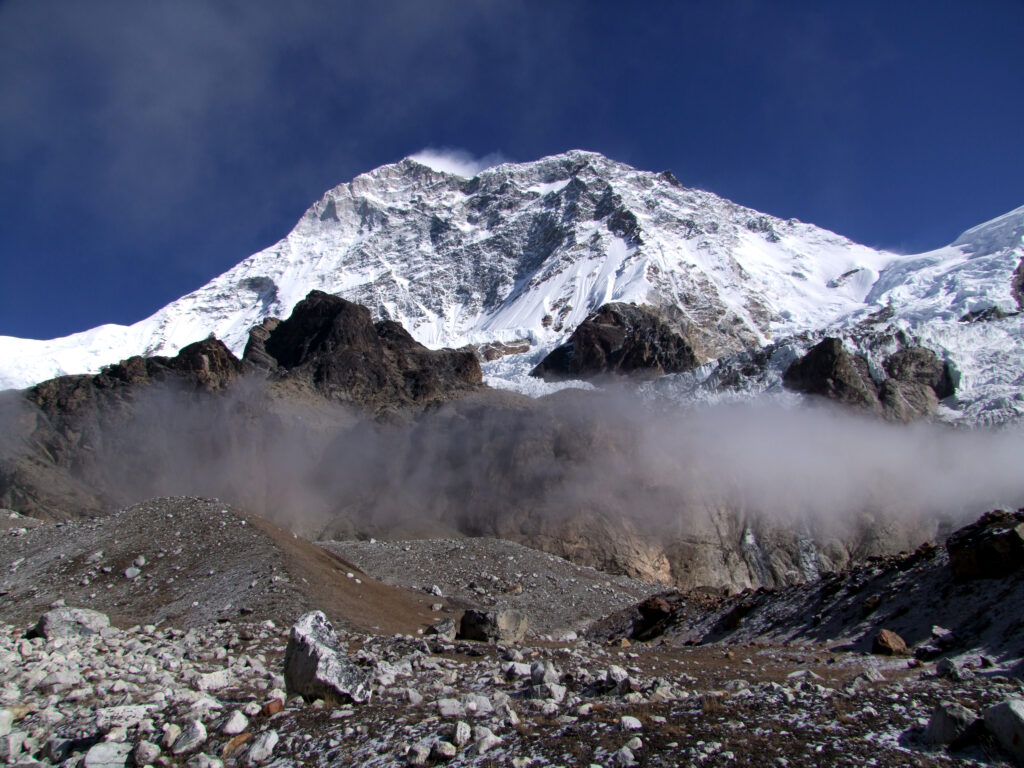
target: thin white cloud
<point>457,161</point>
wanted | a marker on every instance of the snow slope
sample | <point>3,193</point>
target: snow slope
<point>529,250</point>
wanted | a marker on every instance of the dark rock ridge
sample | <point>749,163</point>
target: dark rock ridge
<point>990,548</point>
<point>915,383</point>
<point>620,339</point>
<point>333,346</point>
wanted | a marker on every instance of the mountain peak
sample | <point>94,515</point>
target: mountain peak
<point>998,234</point>
<point>525,252</point>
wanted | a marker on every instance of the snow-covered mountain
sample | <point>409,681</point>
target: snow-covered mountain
<point>529,250</point>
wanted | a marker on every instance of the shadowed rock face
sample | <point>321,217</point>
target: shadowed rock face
<point>622,339</point>
<point>989,548</point>
<point>333,346</point>
<point>916,381</point>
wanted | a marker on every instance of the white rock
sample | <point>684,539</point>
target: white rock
<point>145,752</point>
<point>69,622</point>
<point>6,721</point>
<point>630,723</point>
<point>193,736</point>
<point>450,708</point>
<point>235,724</point>
<point>213,681</point>
<point>317,667</point>
<point>108,754</point>
<point>262,748</point>
<point>126,716</point>
<point>462,734</point>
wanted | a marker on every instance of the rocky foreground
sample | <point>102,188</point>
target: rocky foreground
<point>247,672</point>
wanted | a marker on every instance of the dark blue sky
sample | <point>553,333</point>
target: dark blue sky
<point>146,147</point>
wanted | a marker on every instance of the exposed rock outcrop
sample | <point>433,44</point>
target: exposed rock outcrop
<point>916,380</point>
<point>831,371</point>
<point>989,548</point>
<point>620,339</point>
<point>333,346</point>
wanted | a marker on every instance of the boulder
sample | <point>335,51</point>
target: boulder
<point>446,628</point>
<point>192,736</point>
<point>989,548</point>
<point>108,754</point>
<point>317,667</point>
<point>69,622</point>
<point>888,643</point>
<point>949,721</point>
<point>620,339</point>
<point>262,748</point>
<point>1006,722</point>
<point>497,626</point>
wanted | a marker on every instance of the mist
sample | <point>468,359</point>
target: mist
<point>571,472</point>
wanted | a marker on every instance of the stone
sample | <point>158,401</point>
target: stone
<point>1006,722</point>
<point>543,672</point>
<point>203,760</point>
<point>462,733</point>
<point>132,573</point>
<point>630,723</point>
<point>6,721</point>
<point>949,721</point>
<point>171,734</point>
<point>235,724</point>
<point>193,736</point>
<point>514,669</point>
<point>493,626</point>
<point>213,681</point>
<point>624,757</point>
<point>552,691</point>
<point>989,548</point>
<point>446,628</point>
<point>414,697</point>
<point>108,754</point>
<point>124,716</point>
<point>484,740</point>
<point>888,643</point>
<point>262,748</point>
<point>418,754</point>
<point>450,708</point>
<point>234,744</point>
<point>145,753</point>
<point>69,623</point>
<point>948,669</point>
<point>317,667</point>
<point>443,750</point>
<point>11,746</point>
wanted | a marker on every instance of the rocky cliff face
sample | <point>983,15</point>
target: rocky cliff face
<point>620,339</point>
<point>916,380</point>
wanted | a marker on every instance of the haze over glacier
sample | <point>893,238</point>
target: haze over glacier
<point>527,251</point>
